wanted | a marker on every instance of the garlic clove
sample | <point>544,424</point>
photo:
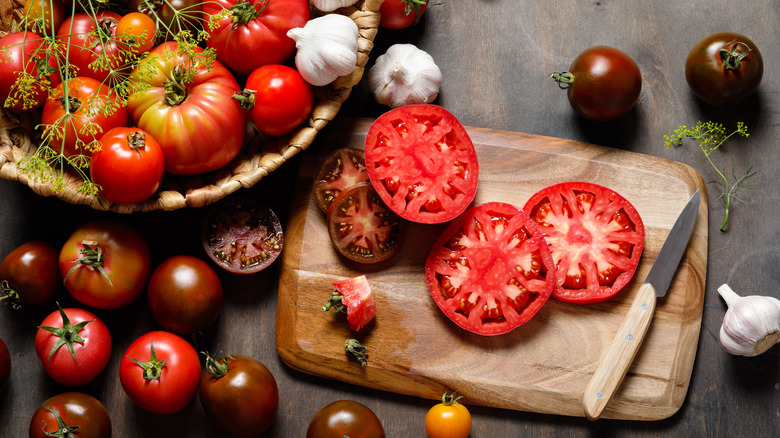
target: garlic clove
<point>404,75</point>
<point>327,48</point>
<point>751,324</point>
<point>331,5</point>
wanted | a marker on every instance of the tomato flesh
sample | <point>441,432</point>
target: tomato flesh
<point>596,237</point>
<point>491,270</point>
<point>359,299</point>
<point>340,170</point>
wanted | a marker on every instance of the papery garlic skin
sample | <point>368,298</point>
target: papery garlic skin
<point>404,75</point>
<point>331,5</point>
<point>751,324</point>
<point>327,48</point>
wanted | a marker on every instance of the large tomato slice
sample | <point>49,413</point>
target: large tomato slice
<point>491,270</point>
<point>596,237</point>
<point>340,170</point>
<point>358,299</point>
<point>422,163</point>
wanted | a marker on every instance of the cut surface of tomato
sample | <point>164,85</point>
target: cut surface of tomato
<point>422,163</point>
<point>361,226</point>
<point>596,237</point>
<point>359,299</point>
<point>340,170</point>
<point>491,270</point>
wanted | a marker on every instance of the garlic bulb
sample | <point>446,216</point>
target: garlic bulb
<point>331,5</point>
<point>327,48</point>
<point>404,75</point>
<point>751,325</point>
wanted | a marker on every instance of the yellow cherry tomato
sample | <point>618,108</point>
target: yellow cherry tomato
<point>448,419</point>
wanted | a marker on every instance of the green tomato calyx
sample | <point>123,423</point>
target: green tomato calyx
<point>63,430</point>
<point>732,59</point>
<point>564,79</point>
<point>67,334</point>
<point>153,368</point>
<point>214,367</point>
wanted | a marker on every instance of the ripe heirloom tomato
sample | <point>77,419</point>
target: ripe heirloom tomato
<point>240,394</point>
<point>399,14</point>
<point>184,294</point>
<point>71,414</point>
<point>277,99</point>
<point>83,109</point>
<point>30,274</point>
<point>603,83</point>
<point>43,16</point>
<point>491,270</point>
<point>160,372</point>
<point>340,170</point>
<point>422,163</point>
<point>254,33</point>
<point>5,366</point>
<point>29,69</point>
<point>596,237</point>
<point>354,296</point>
<point>128,167</point>
<point>91,37</point>
<point>135,33</point>
<point>197,123</point>
<point>724,68</point>
<point>73,345</point>
<point>345,418</point>
<point>105,264</point>
<point>448,419</point>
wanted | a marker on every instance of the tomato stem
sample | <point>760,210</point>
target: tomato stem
<point>153,368</point>
<point>63,430</point>
<point>8,293</point>
<point>335,302</point>
<point>245,98</point>
<point>67,334</point>
<point>244,12</point>
<point>732,60</point>
<point>357,350</point>
<point>216,369</point>
<point>564,79</point>
<point>136,141</point>
<point>91,255</point>
<point>451,399</point>
<point>176,89</point>
<point>414,5</point>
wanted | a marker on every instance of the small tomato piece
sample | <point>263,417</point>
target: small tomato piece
<point>353,295</point>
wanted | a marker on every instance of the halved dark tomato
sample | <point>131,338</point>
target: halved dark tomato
<point>491,270</point>
<point>341,169</point>
<point>596,237</point>
<point>361,226</point>
<point>422,163</point>
<point>242,235</point>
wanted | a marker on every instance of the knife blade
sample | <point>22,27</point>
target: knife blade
<point>629,337</point>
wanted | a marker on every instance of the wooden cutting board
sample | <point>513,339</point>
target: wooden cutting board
<point>543,365</point>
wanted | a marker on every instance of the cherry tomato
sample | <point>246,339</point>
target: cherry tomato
<point>29,70</point>
<point>82,117</point>
<point>43,16</point>
<point>353,296</point>
<point>30,274</point>
<point>91,37</point>
<point>400,14</point>
<point>603,83</point>
<point>345,418</point>
<point>448,419</point>
<point>105,264</point>
<point>135,33</point>
<point>5,366</point>
<point>73,345</point>
<point>596,237</point>
<point>422,163</point>
<point>241,235</point>
<point>724,68</point>
<point>277,98</point>
<point>129,165</point>
<point>160,372</point>
<point>240,394</point>
<point>71,414</point>
<point>184,294</point>
<point>340,170</point>
<point>172,16</point>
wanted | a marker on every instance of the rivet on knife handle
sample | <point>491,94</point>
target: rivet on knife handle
<point>620,353</point>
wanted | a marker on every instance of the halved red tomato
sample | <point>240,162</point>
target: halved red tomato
<point>596,237</point>
<point>340,170</point>
<point>491,270</point>
<point>361,226</point>
<point>422,163</point>
<point>355,294</point>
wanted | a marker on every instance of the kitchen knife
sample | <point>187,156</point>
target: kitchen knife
<point>624,346</point>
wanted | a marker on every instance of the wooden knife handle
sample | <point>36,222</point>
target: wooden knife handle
<point>620,353</point>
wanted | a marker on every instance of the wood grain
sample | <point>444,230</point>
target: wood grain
<point>544,365</point>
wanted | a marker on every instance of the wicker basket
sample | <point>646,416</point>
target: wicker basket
<point>260,155</point>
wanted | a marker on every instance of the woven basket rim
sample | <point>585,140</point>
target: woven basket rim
<point>259,156</point>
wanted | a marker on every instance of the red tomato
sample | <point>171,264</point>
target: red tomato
<point>724,68</point>
<point>5,366</point>
<point>73,345</point>
<point>448,419</point>
<point>603,83</point>
<point>399,14</point>
<point>240,394</point>
<point>361,226</point>
<point>160,372</point>
<point>105,264</point>
<point>30,274</point>
<point>491,270</point>
<point>254,33</point>
<point>29,69</point>
<point>184,294</point>
<point>355,296</point>
<point>596,237</point>
<point>82,117</point>
<point>43,16</point>
<point>340,170</point>
<point>197,123</point>
<point>91,37</point>
<point>277,98</point>
<point>128,167</point>
<point>422,163</point>
<point>71,414</point>
<point>345,418</point>
<point>135,33</point>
